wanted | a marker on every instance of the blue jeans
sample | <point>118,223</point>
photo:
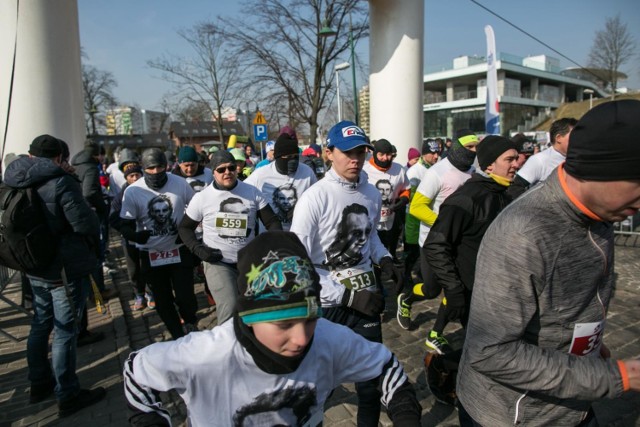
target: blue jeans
<point>54,309</point>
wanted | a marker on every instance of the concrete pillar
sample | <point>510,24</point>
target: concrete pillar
<point>535,90</point>
<point>42,91</point>
<point>396,79</point>
<point>450,92</point>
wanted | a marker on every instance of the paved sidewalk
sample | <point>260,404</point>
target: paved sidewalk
<point>100,364</point>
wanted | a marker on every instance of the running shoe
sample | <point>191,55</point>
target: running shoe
<point>437,343</point>
<point>140,303</point>
<point>403,315</point>
<point>151,303</point>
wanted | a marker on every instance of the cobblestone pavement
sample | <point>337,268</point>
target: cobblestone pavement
<point>100,364</point>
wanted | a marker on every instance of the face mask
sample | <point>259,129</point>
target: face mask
<point>461,158</point>
<point>287,166</point>
<point>156,181</point>
<point>380,163</point>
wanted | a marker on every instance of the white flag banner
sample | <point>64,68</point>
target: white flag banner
<point>492,110</point>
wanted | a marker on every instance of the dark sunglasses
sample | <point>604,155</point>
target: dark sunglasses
<point>226,169</point>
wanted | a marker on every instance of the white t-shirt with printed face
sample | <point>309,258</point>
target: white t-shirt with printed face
<point>390,183</point>
<point>282,191</point>
<point>199,182</point>
<point>159,211</point>
<point>228,217</point>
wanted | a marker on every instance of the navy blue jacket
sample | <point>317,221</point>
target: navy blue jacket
<point>68,216</point>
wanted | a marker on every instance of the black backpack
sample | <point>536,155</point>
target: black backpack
<point>26,242</point>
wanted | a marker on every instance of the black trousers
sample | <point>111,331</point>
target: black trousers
<point>172,286</point>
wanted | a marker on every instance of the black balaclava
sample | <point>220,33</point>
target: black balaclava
<point>153,157</point>
<point>382,146</point>
<point>286,146</point>
<point>460,157</point>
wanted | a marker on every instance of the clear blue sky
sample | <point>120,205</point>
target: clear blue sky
<point>121,35</point>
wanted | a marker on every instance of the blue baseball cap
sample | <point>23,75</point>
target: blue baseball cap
<point>346,136</point>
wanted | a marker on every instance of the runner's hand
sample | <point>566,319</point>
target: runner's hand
<point>368,303</point>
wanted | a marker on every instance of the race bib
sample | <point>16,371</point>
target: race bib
<point>385,213</point>
<point>587,339</point>
<point>231,224</point>
<point>158,258</point>
<point>355,278</point>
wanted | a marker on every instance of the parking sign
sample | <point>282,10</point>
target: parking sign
<point>260,132</point>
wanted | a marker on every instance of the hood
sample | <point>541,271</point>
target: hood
<point>28,171</point>
<point>83,156</point>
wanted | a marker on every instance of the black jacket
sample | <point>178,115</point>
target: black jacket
<point>87,171</point>
<point>452,245</point>
<point>68,216</point>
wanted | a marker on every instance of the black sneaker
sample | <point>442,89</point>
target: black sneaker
<point>83,399</point>
<point>403,314</point>
<point>437,343</point>
<point>39,392</point>
<point>87,338</point>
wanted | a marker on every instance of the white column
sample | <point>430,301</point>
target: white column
<point>46,93</point>
<point>396,67</point>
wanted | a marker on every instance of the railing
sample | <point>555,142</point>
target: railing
<point>6,274</point>
<point>626,227</point>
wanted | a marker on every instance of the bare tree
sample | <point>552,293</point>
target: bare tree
<point>287,57</point>
<point>98,87</point>
<point>612,47</point>
<point>209,77</point>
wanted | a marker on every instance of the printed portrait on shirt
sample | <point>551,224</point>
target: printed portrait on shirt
<point>284,200</point>
<point>386,189</point>
<point>235,205</point>
<point>160,211</point>
<point>197,185</point>
<point>290,406</point>
<point>353,234</point>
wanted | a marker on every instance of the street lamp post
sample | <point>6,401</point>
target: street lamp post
<point>590,92</point>
<point>338,68</point>
<point>92,112</point>
<point>327,31</point>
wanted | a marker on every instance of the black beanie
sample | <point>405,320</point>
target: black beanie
<point>382,146</point>
<point>285,145</point>
<point>604,145</point>
<point>46,146</point>
<point>221,157</point>
<point>276,280</point>
<point>492,147</point>
<point>152,157</point>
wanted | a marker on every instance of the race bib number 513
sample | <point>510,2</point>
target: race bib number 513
<point>356,279</point>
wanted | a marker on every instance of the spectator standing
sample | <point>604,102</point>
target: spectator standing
<point>152,207</point>
<point>544,278</point>
<point>60,290</point>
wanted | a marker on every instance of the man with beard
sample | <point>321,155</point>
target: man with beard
<point>335,220</point>
<point>391,181</point>
<point>228,210</point>
<point>151,208</point>
<point>284,180</point>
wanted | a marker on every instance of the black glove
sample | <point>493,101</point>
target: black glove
<point>392,273</point>
<point>365,302</point>
<point>456,307</point>
<point>140,237</point>
<point>399,204</point>
<point>207,254</point>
